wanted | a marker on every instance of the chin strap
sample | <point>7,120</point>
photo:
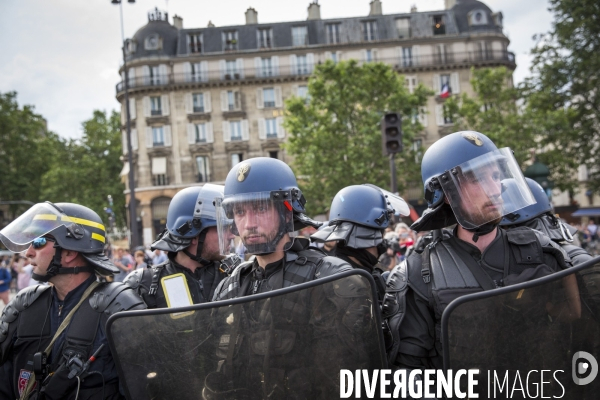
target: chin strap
<point>56,268</point>
<point>198,257</point>
<point>482,230</point>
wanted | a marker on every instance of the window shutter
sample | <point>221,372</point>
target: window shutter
<point>239,65</point>
<point>415,54</point>
<point>310,60</point>
<point>423,117</point>
<point>262,128</point>
<point>275,65</point>
<point>364,55</point>
<point>167,133</point>
<point>260,104</point>
<point>149,140</point>
<point>293,64</point>
<point>132,108</point>
<point>245,130</point>
<point>134,139</point>
<point>328,55</point>
<point>437,89</point>
<point>191,131</point>
<point>162,72</point>
<point>224,106</point>
<point>124,140</point>
<point>339,55</point>
<point>226,133</point>
<point>257,67</point>
<point>187,71</point>
<point>131,76</point>
<point>209,133</point>
<point>165,104</point>
<point>146,101</point>
<point>439,114</point>
<point>280,130</point>
<point>222,68</point>
<point>238,100</point>
<point>189,103</point>
<point>204,70</point>
<point>455,83</point>
<point>295,90</point>
<point>374,53</point>
<point>278,99</point>
<point>399,54</point>
<point>207,102</point>
<point>146,74</point>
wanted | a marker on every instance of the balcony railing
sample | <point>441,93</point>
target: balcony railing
<point>400,63</point>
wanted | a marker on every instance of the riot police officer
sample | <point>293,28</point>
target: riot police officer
<point>540,216</point>
<point>462,175</point>
<point>191,241</point>
<point>359,215</point>
<point>262,205</point>
<point>52,337</point>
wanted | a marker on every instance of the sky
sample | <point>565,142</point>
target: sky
<point>63,56</point>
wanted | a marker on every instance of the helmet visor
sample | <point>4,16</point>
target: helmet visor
<point>475,189</point>
<point>206,198</point>
<point>39,220</point>
<point>260,220</point>
<point>397,203</point>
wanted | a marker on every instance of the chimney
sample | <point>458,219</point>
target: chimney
<point>375,8</point>
<point>314,11</point>
<point>450,4</point>
<point>413,8</point>
<point>210,25</point>
<point>251,16</point>
<point>177,22</point>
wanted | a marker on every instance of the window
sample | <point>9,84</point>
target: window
<point>195,43</point>
<point>203,169</point>
<point>158,136</point>
<point>155,75</point>
<point>416,148</point>
<point>333,33</point>
<point>477,17</point>
<point>196,73</point>
<point>235,129</point>
<point>152,42</point>
<point>200,131</point>
<point>369,55</point>
<point>269,97</point>
<point>274,154</point>
<point>231,71</point>
<point>439,27</point>
<point>155,106</point>
<point>266,67</point>
<point>265,37</point>
<point>334,57</point>
<point>483,51</point>
<point>445,88</point>
<point>440,54</point>
<point>230,40</point>
<point>198,102</point>
<point>302,65</point>
<point>407,57</point>
<point>369,30</point>
<point>233,100</point>
<point>443,115</point>
<point>271,128</point>
<point>160,180</point>
<point>159,171</point>
<point>303,92</point>
<point>403,28</point>
<point>411,83</point>
<point>237,158</point>
<point>299,36</point>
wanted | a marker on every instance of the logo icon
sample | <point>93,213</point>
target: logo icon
<point>473,138</point>
<point>584,363</point>
<point>243,172</point>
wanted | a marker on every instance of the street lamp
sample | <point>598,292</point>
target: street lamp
<point>133,223</point>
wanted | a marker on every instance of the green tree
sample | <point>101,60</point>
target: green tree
<point>24,154</point>
<point>86,170</point>
<point>335,136</point>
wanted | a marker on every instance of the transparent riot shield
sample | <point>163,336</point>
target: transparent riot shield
<point>286,344</point>
<point>541,335</point>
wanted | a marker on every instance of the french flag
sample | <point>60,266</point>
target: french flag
<point>445,93</point>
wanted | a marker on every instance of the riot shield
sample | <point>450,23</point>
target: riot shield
<point>542,335</point>
<point>285,344</point>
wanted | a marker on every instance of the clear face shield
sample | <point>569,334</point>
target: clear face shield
<point>396,202</point>
<point>259,220</point>
<point>486,188</point>
<point>39,220</point>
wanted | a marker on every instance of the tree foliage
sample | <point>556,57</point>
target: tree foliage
<point>86,170</point>
<point>335,136</point>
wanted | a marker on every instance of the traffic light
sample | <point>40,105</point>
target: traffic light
<point>391,131</point>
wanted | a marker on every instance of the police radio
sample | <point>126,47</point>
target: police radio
<point>229,264</point>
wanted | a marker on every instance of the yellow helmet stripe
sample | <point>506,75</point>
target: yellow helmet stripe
<point>81,221</point>
<point>46,217</point>
<point>99,238</point>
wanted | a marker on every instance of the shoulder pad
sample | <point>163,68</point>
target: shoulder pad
<point>113,297</point>
<point>331,265</point>
<point>135,278</point>
<point>24,299</point>
<point>577,254</point>
<point>231,283</point>
<point>398,278</point>
<point>415,279</point>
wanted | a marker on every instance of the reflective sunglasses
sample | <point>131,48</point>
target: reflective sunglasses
<point>40,242</point>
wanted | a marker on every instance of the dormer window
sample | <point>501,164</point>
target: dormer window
<point>477,17</point>
<point>152,42</point>
<point>195,43</point>
<point>230,40</point>
<point>131,46</point>
<point>265,38</point>
<point>439,26</point>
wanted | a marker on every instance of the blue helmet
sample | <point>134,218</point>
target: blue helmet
<point>542,205</point>
<point>191,211</point>
<point>359,214</point>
